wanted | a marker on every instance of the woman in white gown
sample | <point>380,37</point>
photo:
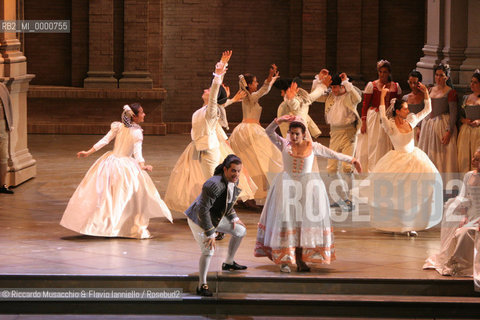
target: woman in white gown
<point>249,140</point>
<point>117,198</point>
<point>459,227</point>
<point>294,227</point>
<point>404,190</point>
<point>187,177</point>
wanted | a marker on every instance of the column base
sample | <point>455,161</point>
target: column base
<point>470,64</point>
<point>100,79</point>
<point>16,177</point>
<point>135,80</point>
<point>433,56</point>
<point>307,79</point>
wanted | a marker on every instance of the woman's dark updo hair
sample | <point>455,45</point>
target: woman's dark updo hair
<point>135,107</point>
<point>127,115</point>
<point>397,106</point>
<point>248,78</point>
<point>284,84</point>
<point>297,124</point>
<point>445,68</point>
<point>385,64</point>
<point>476,75</point>
<point>227,163</point>
<point>222,95</point>
<point>416,74</point>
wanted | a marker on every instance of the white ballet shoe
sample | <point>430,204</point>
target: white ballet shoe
<point>412,234</point>
<point>285,268</point>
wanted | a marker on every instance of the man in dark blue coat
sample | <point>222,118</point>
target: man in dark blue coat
<point>212,212</point>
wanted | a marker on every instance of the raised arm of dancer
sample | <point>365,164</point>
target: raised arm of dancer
<point>387,125</point>
<point>236,98</point>
<point>267,85</point>
<point>278,141</point>
<point>220,69</point>
<point>322,85</point>
<point>413,118</point>
<point>315,84</point>
<point>293,103</point>
<point>354,96</point>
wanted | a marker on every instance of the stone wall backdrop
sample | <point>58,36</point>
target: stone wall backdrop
<point>162,53</point>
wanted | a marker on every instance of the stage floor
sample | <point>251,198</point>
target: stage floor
<point>33,242</point>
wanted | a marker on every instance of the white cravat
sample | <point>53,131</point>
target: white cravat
<point>230,187</point>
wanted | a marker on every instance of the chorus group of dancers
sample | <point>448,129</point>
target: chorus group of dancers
<point>403,188</point>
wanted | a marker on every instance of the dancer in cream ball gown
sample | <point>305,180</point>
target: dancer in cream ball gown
<point>459,228</point>
<point>249,140</point>
<point>209,145</point>
<point>294,227</point>
<point>404,189</point>
<point>117,197</point>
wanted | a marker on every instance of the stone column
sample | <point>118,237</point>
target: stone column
<point>370,40</point>
<point>13,70</point>
<point>136,74</point>
<point>100,58</point>
<point>349,38</point>
<point>472,52</point>
<point>433,49</point>
<point>314,38</point>
<point>455,36</point>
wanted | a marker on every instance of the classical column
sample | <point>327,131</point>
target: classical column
<point>349,38</point>
<point>433,49</point>
<point>136,74</point>
<point>455,36</point>
<point>13,70</point>
<point>314,38</point>
<point>472,52</point>
<point>100,45</point>
<point>370,29</point>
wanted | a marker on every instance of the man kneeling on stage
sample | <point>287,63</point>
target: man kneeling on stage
<point>212,212</point>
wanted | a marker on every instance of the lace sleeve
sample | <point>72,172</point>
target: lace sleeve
<point>264,89</point>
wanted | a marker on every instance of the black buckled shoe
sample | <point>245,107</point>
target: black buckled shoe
<point>334,205</point>
<point>347,205</point>
<point>233,266</point>
<point>204,291</point>
<point>4,189</point>
<point>219,236</point>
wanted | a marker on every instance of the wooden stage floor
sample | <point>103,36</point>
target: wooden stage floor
<point>33,242</point>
